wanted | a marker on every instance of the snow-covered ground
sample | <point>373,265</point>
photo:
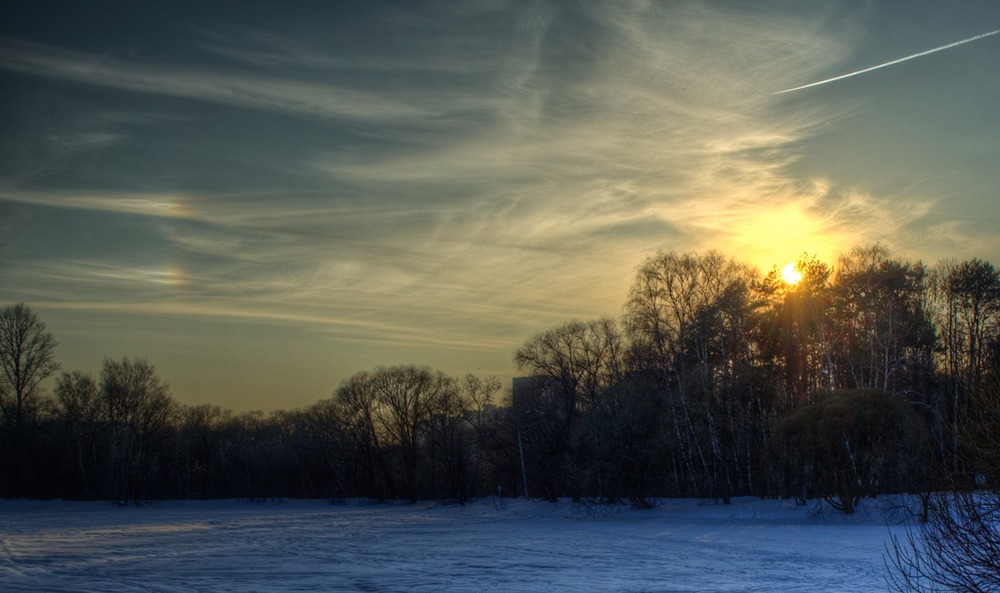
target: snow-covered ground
<point>231,546</point>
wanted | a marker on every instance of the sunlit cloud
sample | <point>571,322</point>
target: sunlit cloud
<point>479,175</point>
<point>660,142</point>
<point>131,281</point>
<point>145,204</point>
<point>655,164</point>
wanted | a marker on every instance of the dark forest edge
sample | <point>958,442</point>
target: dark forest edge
<point>874,376</point>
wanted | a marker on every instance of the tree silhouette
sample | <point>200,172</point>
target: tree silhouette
<point>689,318</point>
<point>853,443</point>
<point>391,409</point>
<point>571,366</point>
<point>82,417</point>
<point>27,357</point>
<point>958,547</point>
<point>139,412</point>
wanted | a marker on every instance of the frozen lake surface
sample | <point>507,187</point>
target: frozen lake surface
<point>232,546</point>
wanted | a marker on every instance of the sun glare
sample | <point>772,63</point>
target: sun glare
<point>790,274</point>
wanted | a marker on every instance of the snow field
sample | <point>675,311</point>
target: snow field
<point>231,546</point>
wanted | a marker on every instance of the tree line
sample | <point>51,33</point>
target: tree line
<point>866,377</point>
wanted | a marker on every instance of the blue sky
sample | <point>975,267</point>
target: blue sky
<point>263,198</point>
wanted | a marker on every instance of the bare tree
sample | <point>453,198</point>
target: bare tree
<point>27,357</point>
<point>80,411</point>
<point>408,399</point>
<point>958,548</point>
<point>139,411</point>
<point>582,357</point>
<point>198,449</point>
<point>884,335</point>
<point>570,367</point>
<point>689,320</point>
<point>356,404</point>
<point>389,411</point>
<point>454,438</point>
<point>254,447</point>
<point>321,448</point>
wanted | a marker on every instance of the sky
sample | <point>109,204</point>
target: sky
<point>264,198</point>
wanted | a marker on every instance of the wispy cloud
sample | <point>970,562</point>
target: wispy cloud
<point>652,127</point>
<point>257,92</point>
<point>168,205</point>
<point>454,177</point>
<point>584,159</point>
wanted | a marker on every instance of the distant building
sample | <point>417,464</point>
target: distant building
<point>523,387</point>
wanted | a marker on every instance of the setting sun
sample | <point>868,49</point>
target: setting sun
<point>790,274</point>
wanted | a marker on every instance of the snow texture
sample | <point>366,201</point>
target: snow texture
<point>233,546</point>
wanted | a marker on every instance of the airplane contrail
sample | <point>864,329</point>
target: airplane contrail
<point>887,64</point>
